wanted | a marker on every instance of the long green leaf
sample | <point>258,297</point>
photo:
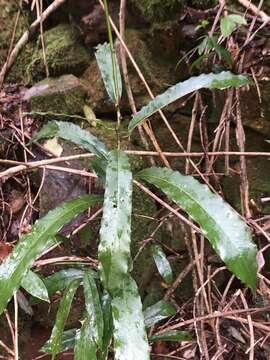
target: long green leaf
<point>71,132</point>
<point>157,312</point>
<point>130,341</point>
<point>18,263</point>
<point>212,81</point>
<point>108,323</point>
<point>93,308</point>
<point>221,224</point>
<point>85,346</point>
<point>61,317</point>
<point>114,247</point>
<point>105,58</point>
<point>172,335</point>
<point>67,341</point>
<point>163,265</point>
<point>61,279</point>
<point>34,285</point>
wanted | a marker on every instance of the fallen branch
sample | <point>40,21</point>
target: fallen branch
<point>25,37</point>
<point>248,5</point>
<point>22,166</point>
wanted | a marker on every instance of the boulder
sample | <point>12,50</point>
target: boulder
<point>63,95</point>
<point>64,55</point>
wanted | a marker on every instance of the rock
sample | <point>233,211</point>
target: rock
<point>64,55</point>
<point>61,186</point>
<point>158,10</point>
<point>162,10</point>
<point>63,95</point>
<point>159,73</point>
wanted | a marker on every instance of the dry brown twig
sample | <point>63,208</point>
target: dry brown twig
<point>248,5</point>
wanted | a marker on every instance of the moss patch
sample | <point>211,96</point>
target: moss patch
<point>64,95</point>
<point>64,54</point>
<point>158,10</point>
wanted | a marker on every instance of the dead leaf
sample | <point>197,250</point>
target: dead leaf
<point>5,249</point>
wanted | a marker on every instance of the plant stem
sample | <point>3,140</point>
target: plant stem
<point>115,80</point>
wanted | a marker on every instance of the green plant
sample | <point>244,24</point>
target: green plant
<point>211,44</point>
<point>113,308</point>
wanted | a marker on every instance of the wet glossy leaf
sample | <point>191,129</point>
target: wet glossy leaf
<point>220,223</point>
<point>67,341</point>
<point>172,335</point>
<point>61,317</point>
<point>34,285</point>
<point>222,80</point>
<point>93,308</point>
<point>157,312</point>
<point>163,265</point>
<point>114,247</point>
<point>61,279</point>
<point>71,132</point>
<point>130,340</point>
<point>85,347</point>
<point>104,59</point>
<point>18,263</point>
<point>108,323</point>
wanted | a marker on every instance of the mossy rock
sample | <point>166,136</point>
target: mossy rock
<point>162,10</point>
<point>63,95</point>
<point>64,55</point>
<point>158,10</point>
<point>8,10</point>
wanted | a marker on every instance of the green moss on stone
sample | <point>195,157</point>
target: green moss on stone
<point>64,95</point>
<point>64,54</point>
<point>158,10</point>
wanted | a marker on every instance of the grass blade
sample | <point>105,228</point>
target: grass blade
<point>222,80</point>
<point>85,346</point>
<point>221,224</point>
<point>61,317</point>
<point>108,323</point>
<point>16,265</point>
<point>67,342</point>
<point>93,308</point>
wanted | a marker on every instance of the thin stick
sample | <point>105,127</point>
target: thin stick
<point>22,166</point>
<point>7,349</point>
<point>251,329</point>
<point>16,348</point>
<point>167,206</point>
<point>226,314</point>
<point>240,137</point>
<point>248,5</point>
